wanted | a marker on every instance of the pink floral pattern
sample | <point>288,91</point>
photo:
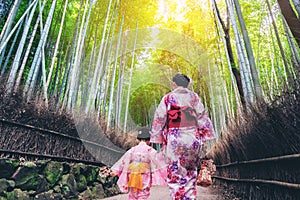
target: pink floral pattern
<point>153,175</point>
<point>181,145</point>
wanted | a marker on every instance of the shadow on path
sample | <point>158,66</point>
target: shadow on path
<point>162,193</point>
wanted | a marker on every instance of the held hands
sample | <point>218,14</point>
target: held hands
<point>106,172</point>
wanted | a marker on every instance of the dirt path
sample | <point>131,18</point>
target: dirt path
<point>162,193</point>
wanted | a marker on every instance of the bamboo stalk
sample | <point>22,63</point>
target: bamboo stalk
<point>56,45</point>
<point>3,44</point>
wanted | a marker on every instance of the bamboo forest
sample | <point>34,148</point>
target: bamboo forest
<point>80,77</point>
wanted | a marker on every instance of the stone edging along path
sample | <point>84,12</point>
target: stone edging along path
<point>45,179</point>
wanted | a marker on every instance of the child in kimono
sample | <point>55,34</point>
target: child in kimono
<point>140,168</point>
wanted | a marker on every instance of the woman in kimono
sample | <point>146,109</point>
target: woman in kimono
<point>181,125</point>
<point>140,168</point>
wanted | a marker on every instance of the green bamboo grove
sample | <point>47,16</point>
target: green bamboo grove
<point>115,58</point>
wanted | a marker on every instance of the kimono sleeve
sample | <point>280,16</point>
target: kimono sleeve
<point>121,168</point>
<point>205,125</point>
<point>158,124</point>
<point>158,168</point>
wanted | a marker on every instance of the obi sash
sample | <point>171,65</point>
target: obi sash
<point>136,170</point>
<point>184,116</point>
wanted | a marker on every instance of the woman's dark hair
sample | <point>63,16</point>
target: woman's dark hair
<point>181,80</point>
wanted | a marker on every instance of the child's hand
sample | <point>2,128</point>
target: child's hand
<point>105,172</point>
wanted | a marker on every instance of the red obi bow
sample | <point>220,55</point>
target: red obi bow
<point>181,116</point>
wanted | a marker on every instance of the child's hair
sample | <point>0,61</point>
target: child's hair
<point>143,134</point>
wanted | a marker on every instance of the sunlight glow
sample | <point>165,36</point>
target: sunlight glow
<point>175,9</point>
<point>154,37</point>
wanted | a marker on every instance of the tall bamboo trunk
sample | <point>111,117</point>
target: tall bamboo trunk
<point>9,22</point>
<point>285,64</point>
<point>8,56</point>
<point>291,18</point>
<point>119,99</point>
<point>5,40</point>
<point>99,66</point>
<point>35,66</point>
<point>112,86</point>
<point>295,51</point>
<point>26,55</point>
<point>70,62</point>
<point>229,53</point>
<point>130,78</point>
<point>254,73</point>
<point>78,56</point>
<point>53,59</point>
<point>104,86</point>
<point>17,59</point>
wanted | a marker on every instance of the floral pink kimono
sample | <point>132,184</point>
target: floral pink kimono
<point>181,124</point>
<point>138,169</point>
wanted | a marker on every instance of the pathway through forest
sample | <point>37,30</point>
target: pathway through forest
<point>162,193</point>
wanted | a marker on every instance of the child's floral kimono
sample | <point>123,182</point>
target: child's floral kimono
<point>181,124</point>
<point>138,169</point>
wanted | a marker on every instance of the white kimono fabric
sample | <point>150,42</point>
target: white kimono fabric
<point>181,139</point>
